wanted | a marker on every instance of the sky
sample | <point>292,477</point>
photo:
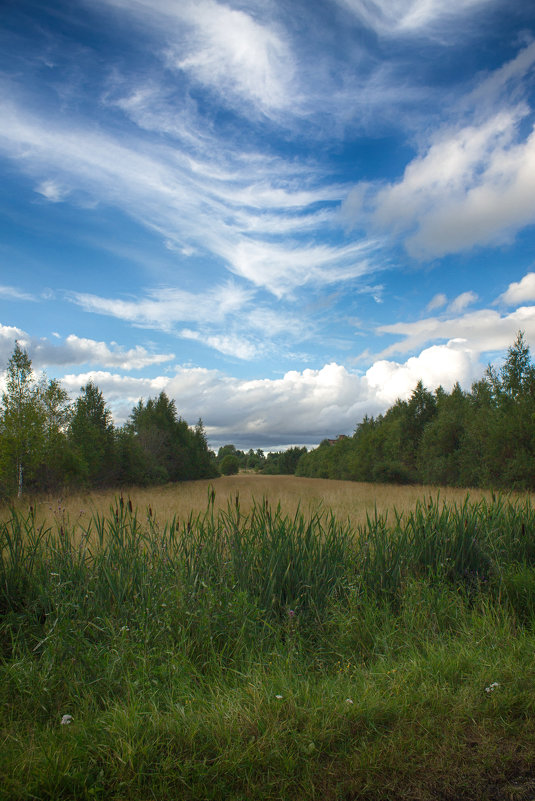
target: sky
<point>282,213</point>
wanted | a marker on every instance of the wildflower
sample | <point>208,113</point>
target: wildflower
<point>278,697</point>
<point>492,687</point>
<point>291,613</point>
<point>349,701</point>
<point>65,720</point>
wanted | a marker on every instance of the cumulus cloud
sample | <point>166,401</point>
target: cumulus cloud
<point>439,365</point>
<point>76,350</point>
<point>472,184</point>
<point>486,330</point>
<point>520,291</point>
<point>9,334</point>
<point>299,407</point>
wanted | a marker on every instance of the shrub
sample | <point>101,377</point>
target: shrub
<point>229,465</point>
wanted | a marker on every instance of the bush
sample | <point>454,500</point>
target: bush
<point>229,465</point>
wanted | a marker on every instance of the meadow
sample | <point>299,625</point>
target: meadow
<point>268,638</point>
<point>351,501</point>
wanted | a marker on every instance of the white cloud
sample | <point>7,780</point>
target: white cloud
<point>242,56</point>
<point>52,191</point>
<point>79,350</point>
<point>76,350</point>
<point>282,268</point>
<point>520,291</point>
<point>472,184</point>
<point>300,407</point>
<point>164,308</point>
<point>460,303</point>
<point>12,293</point>
<point>237,56</point>
<point>437,301</point>
<point>239,218</point>
<point>226,318</point>
<point>485,330</point>
<point>228,344</point>
<point>438,365</point>
<point>412,17</point>
<point>8,336</point>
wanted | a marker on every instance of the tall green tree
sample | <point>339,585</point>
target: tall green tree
<point>56,407</point>
<point>511,438</point>
<point>21,424</point>
<point>439,455</point>
<point>172,450</point>
<point>91,435</point>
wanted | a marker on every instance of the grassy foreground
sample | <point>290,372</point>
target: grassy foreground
<point>252,654</point>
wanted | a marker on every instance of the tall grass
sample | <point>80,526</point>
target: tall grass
<point>259,654</point>
<point>351,501</point>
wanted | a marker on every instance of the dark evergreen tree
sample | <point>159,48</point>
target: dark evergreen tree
<point>91,435</point>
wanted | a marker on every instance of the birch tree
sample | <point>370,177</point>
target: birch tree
<point>21,422</point>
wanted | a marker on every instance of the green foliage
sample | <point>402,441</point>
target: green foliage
<point>261,656</point>
<point>91,436</point>
<point>229,465</point>
<point>252,460</point>
<point>21,424</point>
<point>47,443</point>
<point>485,438</point>
<point>283,462</point>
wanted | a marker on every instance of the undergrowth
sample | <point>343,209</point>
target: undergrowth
<point>261,655</point>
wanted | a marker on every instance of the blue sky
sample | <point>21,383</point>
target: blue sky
<point>284,214</point>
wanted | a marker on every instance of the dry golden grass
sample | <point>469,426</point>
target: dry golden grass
<point>348,500</point>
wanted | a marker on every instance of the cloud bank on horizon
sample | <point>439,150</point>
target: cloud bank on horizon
<point>283,216</point>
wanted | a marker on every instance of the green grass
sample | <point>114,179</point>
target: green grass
<point>169,643</point>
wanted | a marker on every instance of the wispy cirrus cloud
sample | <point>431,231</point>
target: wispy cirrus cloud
<point>166,307</point>
<point>237,56</point>
<point>227,318</point>
<point>13,293</point>
<point>238,53</point>
<point>229,344</point>
<point>238,219</point>
<point>413,17</point>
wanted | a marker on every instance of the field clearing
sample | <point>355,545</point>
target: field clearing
<point>348,500</point>
<point>267,656</point>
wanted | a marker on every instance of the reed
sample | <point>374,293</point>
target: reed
<point>244,651</point>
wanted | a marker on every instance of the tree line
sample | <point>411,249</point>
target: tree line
<point>481,438</point>
<point>48,442</point>
<point>231,460</point>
